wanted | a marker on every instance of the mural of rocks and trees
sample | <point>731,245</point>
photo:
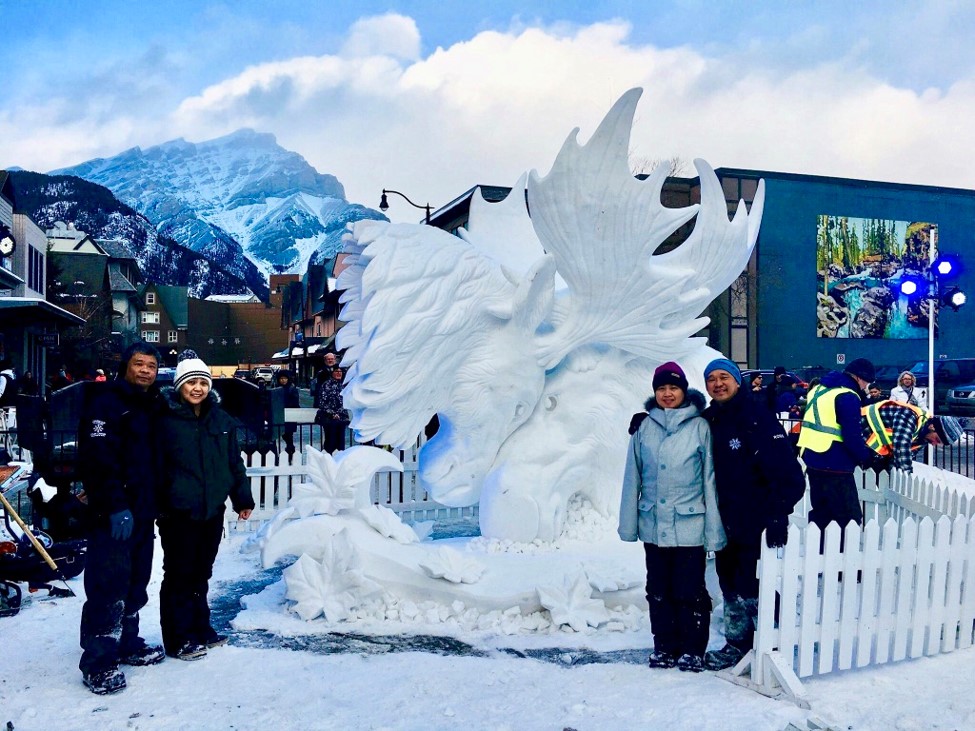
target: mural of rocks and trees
<point>860,264</point>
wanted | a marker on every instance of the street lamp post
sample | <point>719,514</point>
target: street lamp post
<point>384,204</point>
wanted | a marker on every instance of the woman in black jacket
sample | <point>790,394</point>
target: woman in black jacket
<point>202,467</point>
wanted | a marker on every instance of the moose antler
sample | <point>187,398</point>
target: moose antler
<point>602,226</point>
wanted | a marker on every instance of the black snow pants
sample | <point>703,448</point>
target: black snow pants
<point>680,606</point>
<point>116,576</point>
<point>189,550</point>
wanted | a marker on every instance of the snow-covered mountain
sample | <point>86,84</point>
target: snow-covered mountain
<point>238,194</point>
<point>95,210</point>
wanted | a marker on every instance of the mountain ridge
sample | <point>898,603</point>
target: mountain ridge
<point>241,200</point>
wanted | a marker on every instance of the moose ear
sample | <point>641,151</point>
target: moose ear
<point>535,294</point>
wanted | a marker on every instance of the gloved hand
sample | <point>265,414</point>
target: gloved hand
<point>122,523</point>
<point>636,420</point>
<point>777,532</point>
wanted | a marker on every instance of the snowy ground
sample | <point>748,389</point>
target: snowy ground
<point>307,676</point>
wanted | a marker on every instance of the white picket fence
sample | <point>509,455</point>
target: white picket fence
<point>902,587</point>
<point>273,478</point>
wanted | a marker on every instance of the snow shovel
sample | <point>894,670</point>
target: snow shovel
<point>67,591</point>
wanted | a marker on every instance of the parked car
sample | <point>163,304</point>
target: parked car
<point>165,376</point>
<point>961,400</point>
<point>243,373</point>
<point>263,373</point>
<point>949,374</point>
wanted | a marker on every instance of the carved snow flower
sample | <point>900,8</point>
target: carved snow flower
<point>453,566</point>
<point>335,483</point>
<point>334,587</point>
<point>388,523</point>
<point>573,603</point>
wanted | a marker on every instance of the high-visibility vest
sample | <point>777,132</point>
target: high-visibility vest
<point>820,427</point>
<point>881,436</point>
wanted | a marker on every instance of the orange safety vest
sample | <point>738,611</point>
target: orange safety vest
<point>881,436</point>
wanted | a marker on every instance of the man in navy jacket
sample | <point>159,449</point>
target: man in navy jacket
<point>118,461</point>
<point>759,481</point>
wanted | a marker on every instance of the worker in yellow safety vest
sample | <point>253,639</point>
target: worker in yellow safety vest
<point>893,429</point>
<point>832,446</point>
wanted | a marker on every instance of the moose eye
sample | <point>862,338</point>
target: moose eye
<point>550,403</point>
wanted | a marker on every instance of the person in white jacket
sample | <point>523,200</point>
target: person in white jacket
<point>908,392</point>
<point>669,502</point>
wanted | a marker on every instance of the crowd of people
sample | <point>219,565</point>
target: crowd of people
<point>718,478</point>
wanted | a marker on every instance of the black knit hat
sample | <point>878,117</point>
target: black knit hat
<point>670,373</point>
<point>861,368</point>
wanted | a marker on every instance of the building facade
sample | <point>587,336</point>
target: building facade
<point>831,251</point>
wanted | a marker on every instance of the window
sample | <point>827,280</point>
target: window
<point>35,269</point>
<point>150,336</point>
<point>150,298</point>
<point>173,336</point>
<point>150,318</point>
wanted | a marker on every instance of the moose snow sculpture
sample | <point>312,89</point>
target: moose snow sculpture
<point>533,386</point>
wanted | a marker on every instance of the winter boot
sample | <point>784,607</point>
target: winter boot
<point>690,663</point>
<point>213,639</point>
<point>659,659</point>
<point>145,655</point>
<point>104,682</point>
<point>189,651</point>
<point>728,656</point>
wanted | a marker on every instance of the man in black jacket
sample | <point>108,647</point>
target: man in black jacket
<point>118,461</point>
<point>759,481</point>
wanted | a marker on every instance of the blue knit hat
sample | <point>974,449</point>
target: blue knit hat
<point>723,364</point>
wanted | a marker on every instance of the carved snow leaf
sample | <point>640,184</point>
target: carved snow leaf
<point>573,603</point>
<point>332,588</point>
<point>388,523</point>
<point>453,566</point>
<point>608,577</point>
<point>334,482</point>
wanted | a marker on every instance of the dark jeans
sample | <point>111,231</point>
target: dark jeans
<point>116,576</point>
<point>833,496</point>
<point>680,607</point>
<point>333,434</point>
<point>189,550</point>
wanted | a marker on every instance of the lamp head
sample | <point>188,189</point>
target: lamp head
<point>383,203</point>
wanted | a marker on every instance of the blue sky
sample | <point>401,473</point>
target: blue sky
<point>433,97</point>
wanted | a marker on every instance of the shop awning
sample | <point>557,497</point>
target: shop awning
<point>320,347</point>
<point>35,311</point>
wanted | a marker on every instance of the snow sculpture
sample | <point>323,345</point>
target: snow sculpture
<point>453,566</point>
<point>572,604</point>
<point>534,387</point>
<point>332,587</point>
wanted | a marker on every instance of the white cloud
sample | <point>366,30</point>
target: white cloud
<point>486,109</point>
<point>387,35</point>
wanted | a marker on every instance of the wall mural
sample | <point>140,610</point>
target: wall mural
<point>860,263</point>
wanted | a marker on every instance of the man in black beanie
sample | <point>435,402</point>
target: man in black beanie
<point>831,444</point>
<point>119,466</point>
